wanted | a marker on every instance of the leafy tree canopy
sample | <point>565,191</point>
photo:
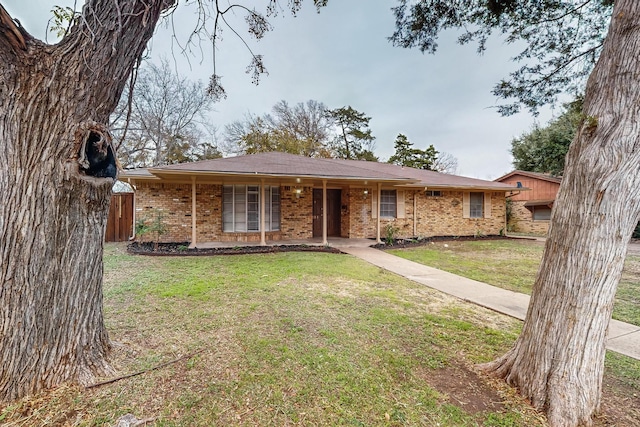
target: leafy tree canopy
<point>544,148</point>
<point>302,129</point>
<point>562,40</point>
<point>406,155</point>
<point>354,139</point>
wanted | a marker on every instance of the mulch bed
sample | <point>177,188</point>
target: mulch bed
<point>410,243</point>
<point>182,249</point>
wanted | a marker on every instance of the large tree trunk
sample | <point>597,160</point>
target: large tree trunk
<point>558,360</point>
<point>54,100</point>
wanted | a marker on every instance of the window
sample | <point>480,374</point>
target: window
<point>476,202</point>
<point>433,193</point>
<point>241,208</point>
<point>541,213</point>
<point>388,203</point>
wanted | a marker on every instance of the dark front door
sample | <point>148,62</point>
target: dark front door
<point>333,212</point>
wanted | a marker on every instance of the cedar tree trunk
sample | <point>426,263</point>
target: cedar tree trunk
<point>558,360</point>
<point>54,104</point>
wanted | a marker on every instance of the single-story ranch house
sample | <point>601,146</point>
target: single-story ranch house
<point>277,197</point>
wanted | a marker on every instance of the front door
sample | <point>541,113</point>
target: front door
<point>333,212</point>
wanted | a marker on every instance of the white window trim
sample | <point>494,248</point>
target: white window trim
<point>268,208</point>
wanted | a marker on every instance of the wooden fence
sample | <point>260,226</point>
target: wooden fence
<point>120,223</point>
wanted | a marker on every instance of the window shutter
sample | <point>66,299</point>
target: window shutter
<point>466,205</point>
<point>374,204</point>
<point>400,204</point>
<point>487,205</point>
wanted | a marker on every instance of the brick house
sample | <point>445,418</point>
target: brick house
<point>532,203</point>
<point>277,197</point>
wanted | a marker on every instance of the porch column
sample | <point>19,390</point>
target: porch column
<point>415,213</point>
<point>263,240</point>
<point>193,213</point>
<point>324,213</point>
<point>379,190</point>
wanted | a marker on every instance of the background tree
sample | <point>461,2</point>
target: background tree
<point>429,159</point>
<point>354,140</point>
<point>302,129</point>
<point>166,123</point>
<point>544,148</point>
<point>58,164</point>
<point>446,163</point>
<point>406,155</point>
<point>558,360</point>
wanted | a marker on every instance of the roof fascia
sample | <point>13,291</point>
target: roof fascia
<point>163,172</point>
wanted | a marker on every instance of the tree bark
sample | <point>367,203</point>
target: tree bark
<point>53,101</point>
<point>558,360</point>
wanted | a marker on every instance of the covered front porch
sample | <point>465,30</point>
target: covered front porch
<point>311,212</point>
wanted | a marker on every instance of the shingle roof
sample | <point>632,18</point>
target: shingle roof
<point>537,175</point>
<point>284,164</point>
<point>289,165</point>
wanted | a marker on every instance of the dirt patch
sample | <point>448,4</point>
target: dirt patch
<point>465,388</point>
<point>183,249</point>
<point>620,404</point>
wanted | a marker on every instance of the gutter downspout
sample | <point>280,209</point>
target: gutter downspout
<point>133,226</point>
<point>194,233</point>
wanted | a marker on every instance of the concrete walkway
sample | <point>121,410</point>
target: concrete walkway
<point>623,338</point>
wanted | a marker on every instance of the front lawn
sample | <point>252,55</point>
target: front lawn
<point>296,339</point>
<point>513,264</point>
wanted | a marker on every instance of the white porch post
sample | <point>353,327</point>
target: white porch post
<point>324,213</point>
<point>379,190</point>
<point>263,240</point>
<point>193,213</point>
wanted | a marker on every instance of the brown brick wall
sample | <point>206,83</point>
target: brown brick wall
<point>296,219</point>
<point>437,216</point>
<point>443,216</point>
<point>522,221</point>
<point>359,223</point>
<point>174,202</point>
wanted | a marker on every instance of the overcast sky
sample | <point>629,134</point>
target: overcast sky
<point>342,57</point>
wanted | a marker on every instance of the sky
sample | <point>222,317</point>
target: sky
<point>342,56</point>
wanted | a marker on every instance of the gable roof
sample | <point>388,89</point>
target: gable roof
<point>284,165</point>
<point>536,175</point>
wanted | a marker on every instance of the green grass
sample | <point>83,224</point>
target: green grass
<point>290,339</point>
<point>513,264</point>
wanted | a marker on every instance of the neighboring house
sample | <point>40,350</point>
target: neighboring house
<point>304,198</point>
<point>531,207</point>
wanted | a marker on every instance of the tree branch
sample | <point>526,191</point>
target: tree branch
<point>11,32</point>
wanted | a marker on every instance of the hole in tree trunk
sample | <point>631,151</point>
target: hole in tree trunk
<point>100,159</point>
